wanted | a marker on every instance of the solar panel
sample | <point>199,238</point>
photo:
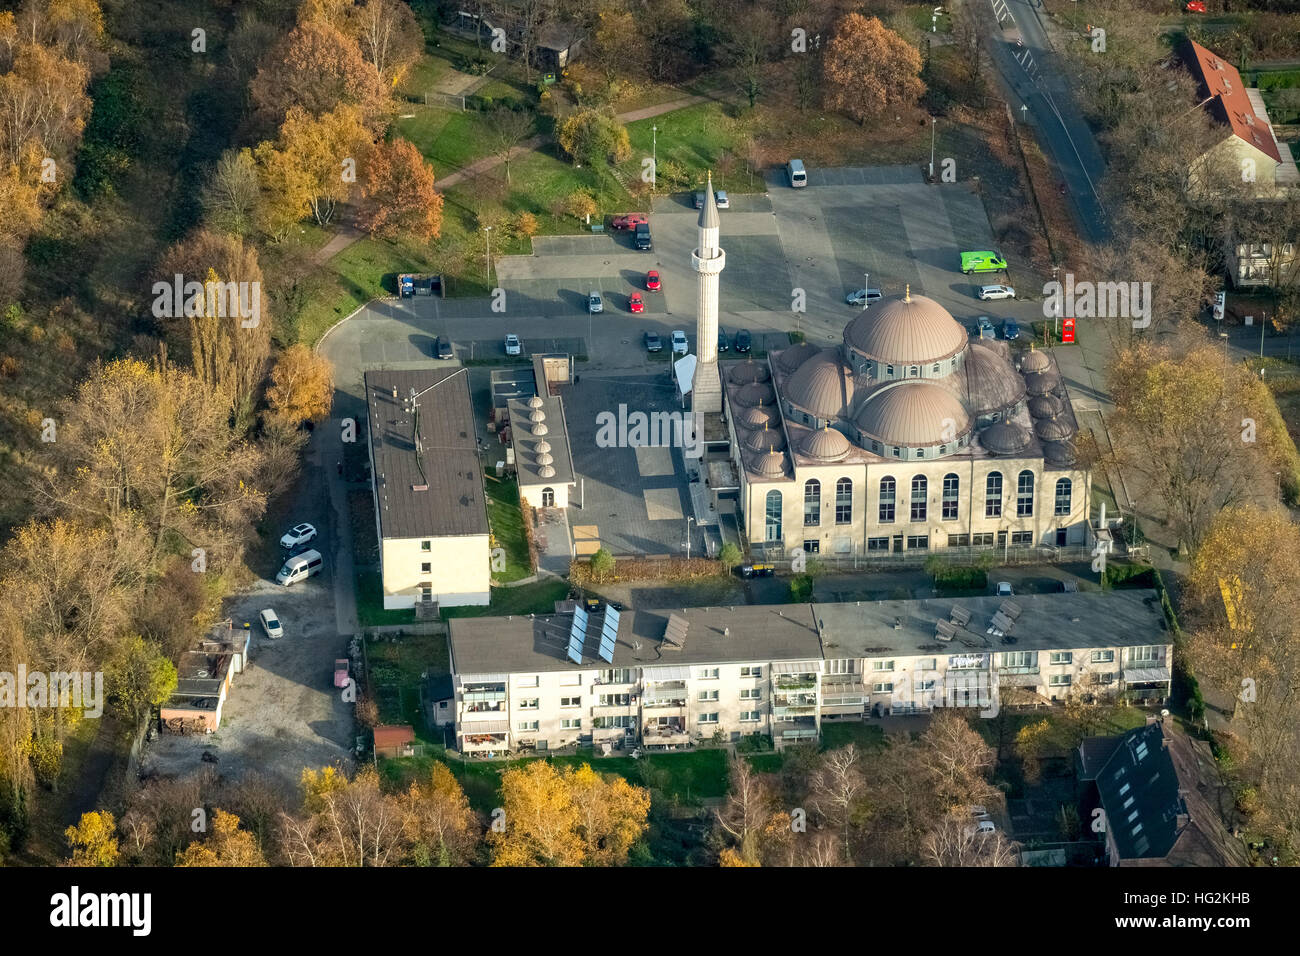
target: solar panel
<point>577,635</point>
<point>608,635</point>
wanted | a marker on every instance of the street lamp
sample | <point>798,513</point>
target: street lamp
<point>866,284</point>
<point>654,150</point>
<point>933,121</point>
<point>688,538</point>
<point>1224,336</point>
<point>1056,306</point>
<point>487,232</point>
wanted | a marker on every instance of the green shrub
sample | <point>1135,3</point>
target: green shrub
<point>1128,576</point>
<point>801,588</point>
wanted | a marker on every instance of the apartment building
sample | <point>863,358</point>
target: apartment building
<point>666,679</point>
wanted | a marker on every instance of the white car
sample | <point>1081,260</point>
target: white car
<point>271,624</point>
<point>997,292</point>
<point>679,343</point>
<point>858,296</point>
<point>983,828</point>
<point>1005,590</point>
<point>594,302</point>
<point>298,536</point>
<point>513,345</point>
<point>985,326</point>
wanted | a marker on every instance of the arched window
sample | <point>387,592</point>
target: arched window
<point>889,371</point>
<point>548,497</point>
<point>919,486</point>
<point>936,368</point>
<point>1025,495</point>
<point>772,532</point>
<point>886,500</point>
<point>844,501</point>
<point>993,495</point>
<point>812,502</point>
<point>915,371</point>
<point>1063,494</point>
<point>951,486</point>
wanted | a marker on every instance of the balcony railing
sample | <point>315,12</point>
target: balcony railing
<point>794,710</point>
<point>1006,669</point>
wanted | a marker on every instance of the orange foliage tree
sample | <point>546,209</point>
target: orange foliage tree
<point>399,196</point>
<point>870,69</point>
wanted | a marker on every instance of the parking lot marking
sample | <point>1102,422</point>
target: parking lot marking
<point>663,504</point>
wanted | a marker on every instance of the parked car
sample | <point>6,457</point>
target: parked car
<point>341,668</point>
<point>1195,6</point>
<point>798,175</point>
<point>628,220</point>
<point>757,570</point>
<point>859,296</point>
<point>996,292</point>
<point>1005,590</point>
<point>442,348</point>
<point>719,197</point>
<point>297,536</point>
<point>635,303</point>
<point>271,624</point>
<point>653,343</point>
<point>743,340</point>
<point>1010,329</point>
<point>982,828</point>
<point>513,345</point>
<point>652,283</point>
<point>982,262</point>
<point>642,237</point>
<point>723,342</point>
<point>594,302</point>
<point>680,346</point>
<point>984,325</point>
<point>300,567</point>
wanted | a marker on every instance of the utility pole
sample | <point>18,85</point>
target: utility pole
<point>866,284</point>
<point>654,152</point>
<point>487,231</point>
<point>933,121</point>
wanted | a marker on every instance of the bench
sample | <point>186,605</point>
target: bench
<point>597,227</point>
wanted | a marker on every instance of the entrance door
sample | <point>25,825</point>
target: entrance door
<point>548,497</point>
<point>898,543</point>
<point>1002,539</point>
<point>1060,537</point>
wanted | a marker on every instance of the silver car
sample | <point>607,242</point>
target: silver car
<point>859,296</point>
<point>595,303</point>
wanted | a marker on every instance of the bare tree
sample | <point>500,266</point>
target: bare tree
<point>746,810</point>
<point>837,788</point>
<point>509,128</point>
<point>958,841</point>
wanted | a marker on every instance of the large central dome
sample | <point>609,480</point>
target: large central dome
<point>906,330</point>
<point>915,414</point>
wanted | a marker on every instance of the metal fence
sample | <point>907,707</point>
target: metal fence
<point>449,101</point>
<point>957,556</point>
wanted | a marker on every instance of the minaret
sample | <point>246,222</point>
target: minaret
<point>709,260</point>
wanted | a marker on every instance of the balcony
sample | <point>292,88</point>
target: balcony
<point>796,682</point>
<point>664,696</point>
<point>794,710</point>
<point>800,730</point>
<point>670,736</point>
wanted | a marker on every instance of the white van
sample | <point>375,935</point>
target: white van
<point>798,175</point>
<point>300,567</point>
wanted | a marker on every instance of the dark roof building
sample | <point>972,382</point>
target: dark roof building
<point>428,482</point>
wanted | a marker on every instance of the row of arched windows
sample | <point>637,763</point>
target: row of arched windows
<point>917,501</point>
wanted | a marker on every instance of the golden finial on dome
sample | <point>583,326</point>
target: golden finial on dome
<point>907,295</point>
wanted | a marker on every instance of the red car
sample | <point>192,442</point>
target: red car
<point>634,302</point>
<point>1196,6</point>
<point>629,220</point>
<point>652,281</point>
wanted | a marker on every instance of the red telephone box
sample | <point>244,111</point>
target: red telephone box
<point>1067,330</point>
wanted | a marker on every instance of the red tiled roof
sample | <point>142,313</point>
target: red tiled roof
<point>393,735</point>
<point>1220,80</point>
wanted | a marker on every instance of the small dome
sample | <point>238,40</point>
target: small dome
<point>537,415</point>
<point>541,429</point>
<point>822,385</point>
<point>1040,383</point>
<point>1059,453</point>
<point>747,373</point>
<point>772,464</point>
<point>756,394</point>
<point>535,402</point>
<point>542,447</point>
<point>1044,406</point>
<point>825,444</point>
<point>906,330</point>
<point>791,358</point>
<point>546,471</point>
<point>1035,361</point>
<point>1053,429</point>
<point>1005,438</point>
<point>991,384</point>
<point>757,416</point>
<point>914,414</point>
<point>544,459</point>
<point>765,439</point>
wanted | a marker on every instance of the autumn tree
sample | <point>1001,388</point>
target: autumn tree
<point>399,196</point>
<point>541,820</point>
<point>316,69</point>
<point>616,47</point>
<point>311,167</point>
<point>595,138</point>
<point>232,194</point>
<point>869,69</point>
<point>226,846</point>
<point>611,814</point>
<point>441,827</point>
<point>1193,429</point>
<point>838,791</point>
<point>580,204</point>
<point>344,823</point>
<point>957,841</point>
<point>159,819</point>
<point>389,37</point>
<point>746,811</point>
<point>139,678</point>
<point>509,128</point>
<point>93,840</point>
<point>302,386</point>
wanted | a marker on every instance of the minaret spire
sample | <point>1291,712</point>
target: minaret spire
<point>708,260</point>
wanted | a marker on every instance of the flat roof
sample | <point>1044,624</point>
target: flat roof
<point>432,487</point>
<point>789,632</point>
<point>524,644</point>
<point>525,442</point>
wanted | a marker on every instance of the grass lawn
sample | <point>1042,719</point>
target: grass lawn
<point>536,598</point>
<point>866,737</point>
<point>370,603</point>
<point>395,669</point>
<point>448,139</point>
<point>506,518</point>
<point>690,776</point>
